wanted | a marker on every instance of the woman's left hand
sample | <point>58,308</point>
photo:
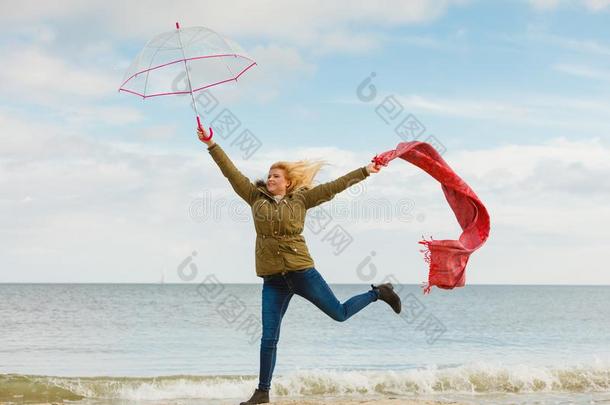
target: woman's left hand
<point>373,168</point>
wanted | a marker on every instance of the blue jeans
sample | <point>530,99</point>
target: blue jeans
<point>278,289</point>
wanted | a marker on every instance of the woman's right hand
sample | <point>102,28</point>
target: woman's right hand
<point>202,133</point>
<point>373,168</point>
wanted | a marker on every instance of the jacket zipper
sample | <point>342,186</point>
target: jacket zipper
<point>277,202</point>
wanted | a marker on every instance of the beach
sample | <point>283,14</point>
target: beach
<point>383,401</point>
<point>387,401</point>
<point>321,401</point>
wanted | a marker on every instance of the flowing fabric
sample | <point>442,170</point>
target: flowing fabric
<point>447,258</point>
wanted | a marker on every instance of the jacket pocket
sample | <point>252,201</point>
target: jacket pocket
<point>268,252</point>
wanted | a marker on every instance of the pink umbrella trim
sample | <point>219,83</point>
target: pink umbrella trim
<point>185,60</point>
<point>184,92</point>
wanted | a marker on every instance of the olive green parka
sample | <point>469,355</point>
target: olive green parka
<point>280,246</point>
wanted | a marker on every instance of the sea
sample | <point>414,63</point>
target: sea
<point>198,343</point>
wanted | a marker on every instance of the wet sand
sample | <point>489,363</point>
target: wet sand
<point>361,402</point>
<point>321,401</point>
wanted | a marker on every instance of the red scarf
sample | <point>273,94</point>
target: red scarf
<point>447,258</point>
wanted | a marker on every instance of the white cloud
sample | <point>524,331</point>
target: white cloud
<point>277,67</point>
<point>33,10</point>
<point>297,22</point>
<point>120,211</point>
<point>596,5</point>
<point>347,41</point>
<point>281,60</point>
<point>538,34</point>
<point>591,5</point>
<point>544,4</point>
<point>537,110</point>
<point>579,45</point>
<point>545,176</point>
<point>483,109</point>
<point>30,73</point>
<point>157,132</point>
<point>587,72</point>
<point>287,34</point>
<point>75,91</point>
<point>302,112</point>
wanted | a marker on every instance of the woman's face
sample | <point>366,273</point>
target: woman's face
<point>276,182</point>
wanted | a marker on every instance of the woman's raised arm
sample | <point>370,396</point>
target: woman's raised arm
<point>240,183</point>
<point>327,191</point>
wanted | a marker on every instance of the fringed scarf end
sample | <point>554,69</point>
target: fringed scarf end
<point>427,253</point>
<point>428,259</point>
<point>426,288</point>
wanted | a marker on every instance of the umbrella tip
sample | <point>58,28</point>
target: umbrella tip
<point>177,25</point>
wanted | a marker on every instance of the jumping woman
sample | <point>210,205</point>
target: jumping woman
<point>281,254</point>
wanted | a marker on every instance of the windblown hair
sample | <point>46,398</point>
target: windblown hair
<point>300,174</point>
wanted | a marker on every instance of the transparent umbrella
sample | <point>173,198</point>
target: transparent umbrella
<point>201,56</point>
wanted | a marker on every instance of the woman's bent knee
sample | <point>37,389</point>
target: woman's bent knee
<point>339,316</point>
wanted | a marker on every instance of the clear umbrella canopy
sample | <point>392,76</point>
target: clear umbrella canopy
<point>183,61</point>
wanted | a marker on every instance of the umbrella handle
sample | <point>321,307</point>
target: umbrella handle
<point>201,129</point>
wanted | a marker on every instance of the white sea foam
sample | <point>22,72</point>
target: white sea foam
<point>476,378</point>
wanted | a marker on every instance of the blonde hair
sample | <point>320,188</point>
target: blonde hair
<point>301,173</point>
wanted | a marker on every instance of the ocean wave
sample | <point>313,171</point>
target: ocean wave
<point>465,379</point>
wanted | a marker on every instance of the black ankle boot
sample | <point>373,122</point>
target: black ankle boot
<point>259,397</point>
<point>387,294</point>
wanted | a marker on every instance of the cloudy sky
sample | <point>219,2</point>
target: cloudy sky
<point>100,186</point>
